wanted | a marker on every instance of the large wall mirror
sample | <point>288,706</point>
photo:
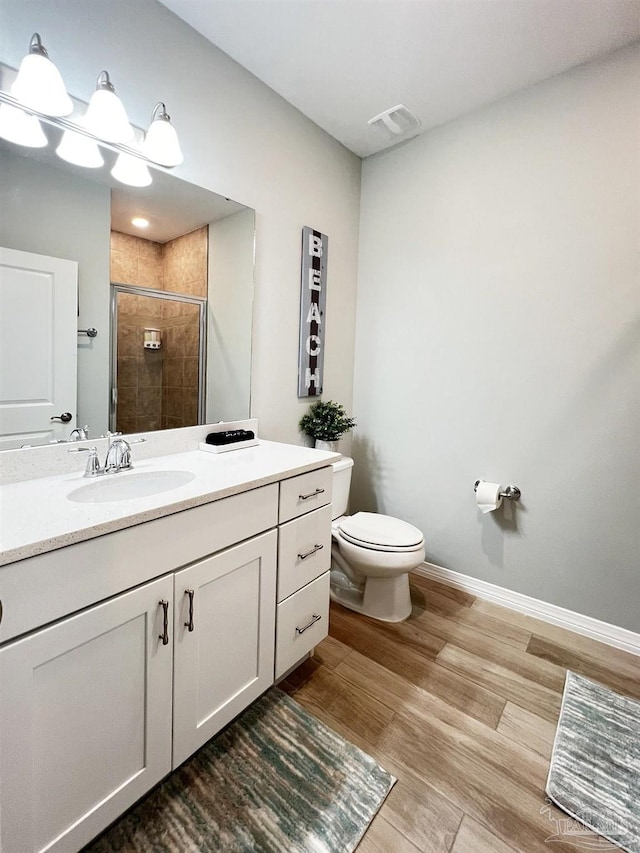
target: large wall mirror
<point>171,302</point>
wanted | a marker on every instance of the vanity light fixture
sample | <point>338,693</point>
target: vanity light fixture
<point>79,150</point>
<point>39,85</point>
<point>106,116</point>
<point>140,222</point>
<point>21,128</point>
<point>38,94</point>
<point>131,171</point>
<point>161,142</point>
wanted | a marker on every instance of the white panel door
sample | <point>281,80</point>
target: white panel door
<point>85,710</point>
<point>38,347</point>
<point>226,660</point>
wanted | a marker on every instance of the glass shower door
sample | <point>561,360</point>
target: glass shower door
<point>158,356</point>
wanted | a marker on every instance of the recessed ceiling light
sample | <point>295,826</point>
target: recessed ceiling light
<point>140,222</point>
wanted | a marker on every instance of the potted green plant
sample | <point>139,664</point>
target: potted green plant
<point>326,422</point>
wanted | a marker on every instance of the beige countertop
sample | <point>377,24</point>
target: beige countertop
<point>37,515</point>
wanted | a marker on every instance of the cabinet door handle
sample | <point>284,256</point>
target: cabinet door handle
<point>165,624</point>
<point>315,619</point>
<point>311,495</point>
<point>314,550</point>
<point>189,624</point>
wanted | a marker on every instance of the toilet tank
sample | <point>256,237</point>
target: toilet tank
<point>341,483</point>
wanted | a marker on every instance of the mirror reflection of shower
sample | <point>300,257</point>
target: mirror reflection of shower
<point>158,320</point>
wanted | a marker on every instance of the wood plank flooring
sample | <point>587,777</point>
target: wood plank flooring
<point>460,702</point>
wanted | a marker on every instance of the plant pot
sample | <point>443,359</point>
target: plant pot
<point>330,446</point>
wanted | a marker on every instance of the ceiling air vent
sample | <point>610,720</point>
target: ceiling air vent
<point>399,121</point>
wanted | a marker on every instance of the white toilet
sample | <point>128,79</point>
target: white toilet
<point>371,556</point>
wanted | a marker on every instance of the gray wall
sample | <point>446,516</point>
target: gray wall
<point>498,337</point>
<point>231,242</point>
<point>55,213</point>
<point>239,139</point>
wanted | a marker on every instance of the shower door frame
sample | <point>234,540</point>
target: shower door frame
<point>116,288</point>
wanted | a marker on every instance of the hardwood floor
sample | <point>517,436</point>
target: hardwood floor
<point>460,703</point>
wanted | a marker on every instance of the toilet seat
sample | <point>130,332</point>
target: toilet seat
<point>377,532</point>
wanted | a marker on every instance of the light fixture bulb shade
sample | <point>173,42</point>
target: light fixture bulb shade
<point>131,171</point>
<point>79,150</point>
<point>21,128</point>
<point>161,144</point>
<point>106,117</point>
<point>40,87</point>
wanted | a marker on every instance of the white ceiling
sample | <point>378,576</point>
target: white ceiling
<point>341,62</point>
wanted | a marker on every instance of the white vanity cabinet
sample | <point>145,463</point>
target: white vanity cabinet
<point>121,655</point>
<point>85,710</point>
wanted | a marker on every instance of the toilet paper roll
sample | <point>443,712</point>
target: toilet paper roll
<point>488,496</point>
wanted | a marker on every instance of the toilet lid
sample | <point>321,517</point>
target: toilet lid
<point>380,531</point>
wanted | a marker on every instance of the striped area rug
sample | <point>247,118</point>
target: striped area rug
<point>276,781</point>
<point>595,766</point>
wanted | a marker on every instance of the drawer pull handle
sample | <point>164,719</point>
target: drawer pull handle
<point>315,619</point>
<point>314,550</point>
<point>311,495</point>
<point>165,623</point>
<point>189,624</point>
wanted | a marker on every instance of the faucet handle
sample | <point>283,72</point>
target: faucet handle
<point>93,463</point>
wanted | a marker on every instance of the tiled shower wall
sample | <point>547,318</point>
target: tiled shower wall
<point>184,263</point>
<point>158,388</point>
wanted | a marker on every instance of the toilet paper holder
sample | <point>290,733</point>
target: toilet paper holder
<point>511,493</point>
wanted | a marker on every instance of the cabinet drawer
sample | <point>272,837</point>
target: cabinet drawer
<point>302,622</point>
<point>304,493</point>
<point>304,550</point>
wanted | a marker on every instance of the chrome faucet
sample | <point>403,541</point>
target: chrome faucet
<point>79,433</point>
<point>118,457</point>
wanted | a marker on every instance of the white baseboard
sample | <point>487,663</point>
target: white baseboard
<point>621,638</point>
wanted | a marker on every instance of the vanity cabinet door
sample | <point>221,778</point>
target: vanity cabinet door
<point>224,639</point>
<point>85,707</point>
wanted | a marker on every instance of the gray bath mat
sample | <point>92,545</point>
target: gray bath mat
<point>595,766</point>
<point>275,781</point>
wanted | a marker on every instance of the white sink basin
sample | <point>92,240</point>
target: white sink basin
<point>125,486</point>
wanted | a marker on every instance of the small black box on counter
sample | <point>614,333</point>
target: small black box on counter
<point>230,439</point>
<point>229,436</point>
